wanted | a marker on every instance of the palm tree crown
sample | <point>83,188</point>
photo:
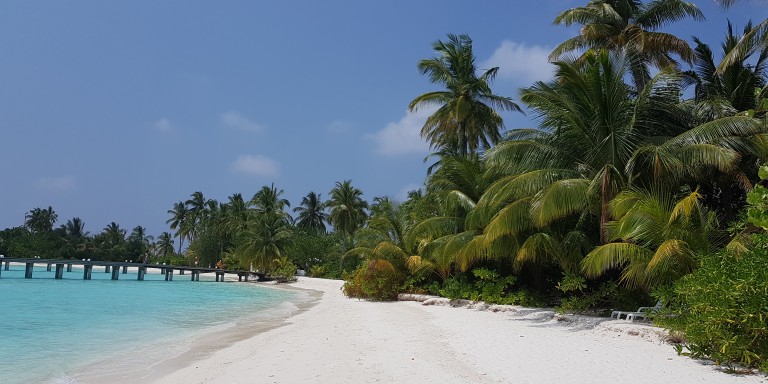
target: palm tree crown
<point>466,118</point>
<point>311,213</point>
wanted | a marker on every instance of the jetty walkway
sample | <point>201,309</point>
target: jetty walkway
<point>115,268</point>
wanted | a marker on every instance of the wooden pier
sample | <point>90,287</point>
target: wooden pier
<point>115,267</point>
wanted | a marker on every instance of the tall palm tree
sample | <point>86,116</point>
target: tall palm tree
<point>466,118</point>
<point>179,221</point>
<point>312,214</point>
<point>197,212</point>
<point>236,214</point>
<point>348,209</point>
<point>40,220</point>
<point>630,26</point>
<point>267,201</point>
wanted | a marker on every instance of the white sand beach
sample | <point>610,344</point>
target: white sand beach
<point>341,340</point>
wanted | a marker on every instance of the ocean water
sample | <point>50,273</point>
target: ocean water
<point>52,331</point>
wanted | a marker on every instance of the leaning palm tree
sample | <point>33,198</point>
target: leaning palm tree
<point>312,214</point>
<point>629,26</point>
<point>348,209</point>
<point>466,118</point>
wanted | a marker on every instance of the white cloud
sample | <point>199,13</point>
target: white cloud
<point>402,137</point>
<point>61,183</point>
<point>235,120</point>
<point>521,64</point>
<point>258,165</point>
<point>163,125</point>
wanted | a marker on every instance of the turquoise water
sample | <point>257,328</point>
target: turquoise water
<point>51,329</point>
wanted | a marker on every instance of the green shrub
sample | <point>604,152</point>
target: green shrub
<point>488,286</point>
<point>284,270</point>
<point>376,280</point>
<point>722,308</point>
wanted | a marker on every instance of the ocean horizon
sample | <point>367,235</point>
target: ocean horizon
<point>56,331</point>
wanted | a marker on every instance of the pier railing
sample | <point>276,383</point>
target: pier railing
<point>115,268</point>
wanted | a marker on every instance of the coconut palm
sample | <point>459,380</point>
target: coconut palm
<point>75,228</point>
<point>312,214</point>
<point>267,201</point>
<point>179,221</point>
<point>756,37</point>
<point>735,82</point>
<point>597,138</point>
<point>654,238</point>
<point>265,240</point>
<point>164,244</point>
<point>347,207</point>
<point>40,220</point>
<point>629,26</point>
<point>466,118</point>
<point>198,209</point>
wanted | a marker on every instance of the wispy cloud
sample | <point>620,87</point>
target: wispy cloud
<point>163,125</point>
<point>520,63</point>
<point>61,183</point>
<point>402,137</point>
<point>235,120</point>
<point>258,165</point>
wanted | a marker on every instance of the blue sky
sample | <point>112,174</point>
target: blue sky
<point>114,110</point>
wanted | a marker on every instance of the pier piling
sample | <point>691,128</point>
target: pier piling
<point>28,270</point>
<point>115,273</point>
<point>169,274</point>
<point>59,271</point>
<point>87,268</point>
<point>125,269</point>
<point>69,267</point>
<point>107,269</point>
<point>142,271</point>
<point>7,265</point>
<point>48,268</point>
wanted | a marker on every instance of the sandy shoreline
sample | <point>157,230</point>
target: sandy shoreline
<point>339,340</point>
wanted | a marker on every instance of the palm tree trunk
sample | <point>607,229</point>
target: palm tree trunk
<point>604,205</point>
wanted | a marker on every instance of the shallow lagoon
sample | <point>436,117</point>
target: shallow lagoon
<point>52,329</point>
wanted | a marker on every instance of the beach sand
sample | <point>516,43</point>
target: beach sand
<point>341,340</point>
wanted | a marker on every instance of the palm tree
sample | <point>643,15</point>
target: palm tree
<point>75,228</point>
<point>179,221</point>
<point>40,220</point>
<point>311,213</point>
<point>265,240</point>
<point>466,118</point>
<point>597,138</point>
<point>197,212</point>
<point>654,238</point>
<point>629,26</point>
<point>756,37</point>
<point>348,209</point>
<point>267,201</point>
<point>165,244</point>
<point>735,82</point>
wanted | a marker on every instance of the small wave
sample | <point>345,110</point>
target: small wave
<point>64,380</point>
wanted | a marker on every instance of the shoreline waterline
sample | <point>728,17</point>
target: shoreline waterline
<point>209,341</point>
